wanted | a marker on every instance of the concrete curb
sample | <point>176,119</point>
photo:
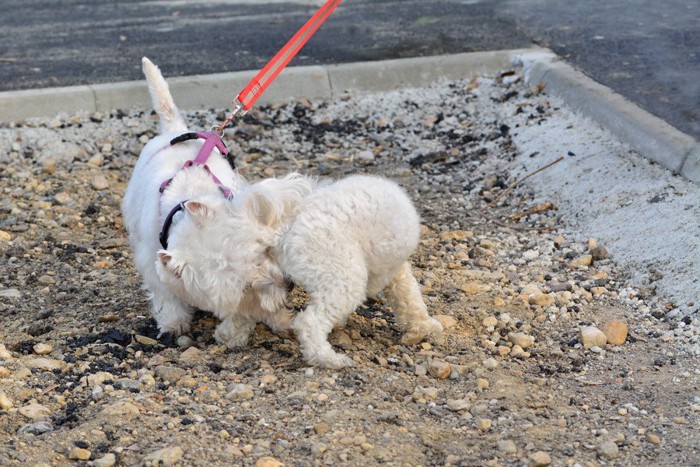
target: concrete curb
<point>647,134</point>
<point>217,90</point>
<point>650,136</point>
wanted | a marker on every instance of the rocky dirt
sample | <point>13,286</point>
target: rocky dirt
<point>549,355</point>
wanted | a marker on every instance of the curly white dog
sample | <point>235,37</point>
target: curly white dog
<point>341,242</point>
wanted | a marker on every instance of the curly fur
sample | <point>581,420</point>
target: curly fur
<point>341,241</point>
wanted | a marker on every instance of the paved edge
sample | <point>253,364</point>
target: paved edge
<point>650,136</point>
<point>647,134</point>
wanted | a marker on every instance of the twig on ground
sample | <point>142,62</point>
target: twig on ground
<point>46,390</point>
<point>533,210</point>
<point>512,187</point>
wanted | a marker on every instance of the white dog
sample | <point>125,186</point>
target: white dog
<point>173,167</point>
<point>341,242</point>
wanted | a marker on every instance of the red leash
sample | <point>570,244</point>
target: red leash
<point>247,97</point>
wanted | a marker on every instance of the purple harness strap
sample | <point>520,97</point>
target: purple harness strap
<point>211,141</point>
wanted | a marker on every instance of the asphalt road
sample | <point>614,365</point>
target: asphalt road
<point>648,51</point>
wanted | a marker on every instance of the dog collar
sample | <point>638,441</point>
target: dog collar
<point>163,237</point>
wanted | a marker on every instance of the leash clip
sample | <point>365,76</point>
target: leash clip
<point>238,111</point>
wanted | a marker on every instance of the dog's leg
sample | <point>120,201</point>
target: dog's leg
<point>312,327</point>
<point>172,314</point>
<point>405,299</point>
<point>234,330</point>
<point>279,322</point>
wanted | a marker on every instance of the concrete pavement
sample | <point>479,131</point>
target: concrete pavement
<point>48,45</point>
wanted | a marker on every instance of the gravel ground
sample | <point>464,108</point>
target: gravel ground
<point>554,351</point>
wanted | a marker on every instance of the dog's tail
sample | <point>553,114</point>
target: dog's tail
<point>170,119</point>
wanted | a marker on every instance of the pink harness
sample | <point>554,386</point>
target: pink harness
<point>211,141</point>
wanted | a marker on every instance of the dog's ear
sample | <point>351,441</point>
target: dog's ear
<point>199,211</point>
<point>167,260</point>
<point>263,209</point>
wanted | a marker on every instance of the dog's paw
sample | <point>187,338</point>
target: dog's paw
<point>231,336</point>
<point>175,328</point>
<point>335,361</point>
<point>421,330</point>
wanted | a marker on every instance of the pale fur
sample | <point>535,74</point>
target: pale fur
<point>341,242</point>
<point>144,209</point>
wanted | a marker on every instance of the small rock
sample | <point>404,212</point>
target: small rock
<point>599,253</point>
<point>489,322</point>
<point>191,355</point>
<point>654,439</point>
<point>166,456</point>
<point>267,380</point>
<point>184,342</point>
<point>366,155</point>
<point>5,235</point>
<point>187,382</point>
<point>96,161</point>
<point>169,373</point>
<point>518,352</point>
<point>46,279</point>
<point>456,235</point>
<point>79,454</point>
<point>122,409</point>
<point>99,378</point>
<point>585,260</point>
<point>591,336</point>
<point>34,411</point>
<point>99,182</point>
<point>321,428</point>
<point>108,460</point>
<point>446,321</point>
<point>48,166</point>
<point>616,332</point>
<point>145,340</point>
<point>474,288</point>
<point>5,354</point>
<point>520,338</point>
<point>10,293</point>
<point>240,392</point>
<point>559,241</point>
<point>490,363</point>
<point>428,394</point>
<point>483,424</point>
<point>540,458</point>
<point>439,369</point>
<point>233,451</point>
<point>268,462</point>
<point>342,339</point>
<point>608,449</point>
<point>542,300</point>
<point>36,428</point>
<point>63,198</point>
<point>458,405</point>
<point>482,384</point>
<point>531,289</point>
<point>507,446</point>
<point>5,402</point>
<point>502,350</point>
<point>529,255</point>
